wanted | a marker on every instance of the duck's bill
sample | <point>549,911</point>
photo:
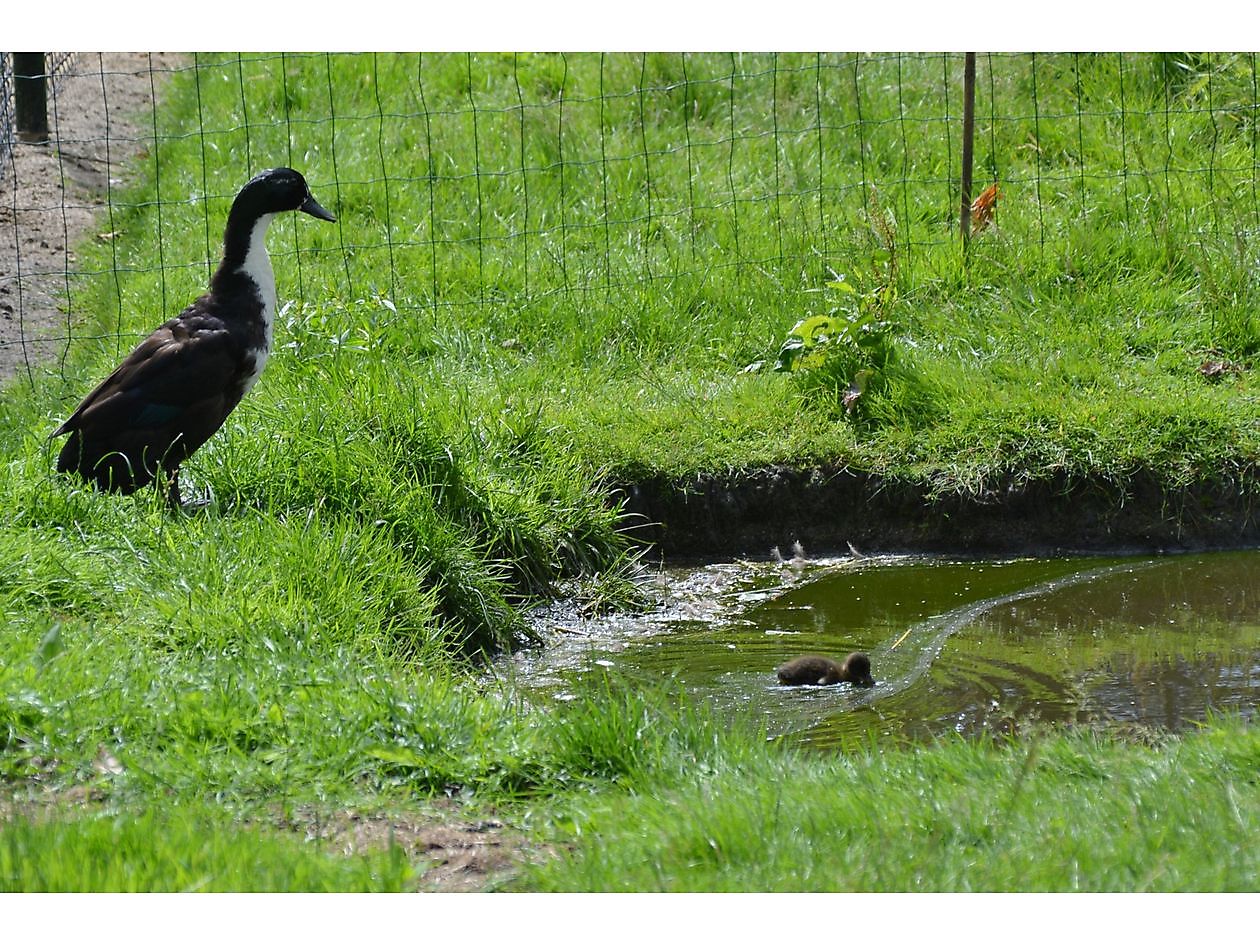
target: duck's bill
<point>311,205</point>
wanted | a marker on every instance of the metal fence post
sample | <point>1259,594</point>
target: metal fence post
<point>30,96</point>
<point>969,129</point>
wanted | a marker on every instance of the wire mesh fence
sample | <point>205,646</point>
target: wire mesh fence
<point>475,180</point>
<point>8,125</point>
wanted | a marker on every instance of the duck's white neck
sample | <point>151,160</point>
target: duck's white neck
<point>257,266</point>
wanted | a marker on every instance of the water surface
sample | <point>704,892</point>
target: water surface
<point>956,645</point>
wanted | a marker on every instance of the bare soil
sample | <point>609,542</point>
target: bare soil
<point>51,195</point>
<point>456,855</point>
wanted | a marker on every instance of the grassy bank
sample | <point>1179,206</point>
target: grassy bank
<point>1054,813</point>
<point>620,792</point>
<point>564,288</point>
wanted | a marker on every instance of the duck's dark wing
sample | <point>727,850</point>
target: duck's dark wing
<point>166,399</point>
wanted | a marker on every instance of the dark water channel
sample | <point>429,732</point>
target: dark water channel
<point>963,646</point>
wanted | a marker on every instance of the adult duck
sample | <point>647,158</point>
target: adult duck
<point>177,387</point>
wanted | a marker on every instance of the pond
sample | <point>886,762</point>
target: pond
<point>956,645</point>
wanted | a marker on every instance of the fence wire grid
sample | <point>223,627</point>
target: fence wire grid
<point>508,179</point>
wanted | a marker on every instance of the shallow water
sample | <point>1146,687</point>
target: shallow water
<point>956,646</point>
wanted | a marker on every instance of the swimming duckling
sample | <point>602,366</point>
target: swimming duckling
<point>824,671</point>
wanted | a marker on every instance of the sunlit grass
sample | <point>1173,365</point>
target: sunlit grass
<point>1052,812</point>
<point>164,852</point>
<point>588,249</point>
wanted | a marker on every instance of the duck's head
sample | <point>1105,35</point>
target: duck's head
<point>857,667</point>
<point>279,190</point>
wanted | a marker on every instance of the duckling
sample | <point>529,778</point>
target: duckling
<point>173,392</point>
<point>824,671</point>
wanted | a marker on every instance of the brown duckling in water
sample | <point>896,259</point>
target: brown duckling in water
<point>823,671</point>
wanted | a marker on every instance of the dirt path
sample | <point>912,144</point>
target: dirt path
<point>51,194</point>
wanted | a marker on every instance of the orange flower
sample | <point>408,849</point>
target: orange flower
<point>982,208</point>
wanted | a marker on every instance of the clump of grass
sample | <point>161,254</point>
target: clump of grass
<point>628,737</point>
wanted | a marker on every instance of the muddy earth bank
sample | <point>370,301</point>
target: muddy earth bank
<point>751,512</point>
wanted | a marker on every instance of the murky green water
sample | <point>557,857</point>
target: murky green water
<point>962,646</point>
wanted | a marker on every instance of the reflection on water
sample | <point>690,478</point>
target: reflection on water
<point>957,646</point>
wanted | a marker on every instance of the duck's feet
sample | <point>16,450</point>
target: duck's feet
<point>173,499</point>
<point>179,504</point>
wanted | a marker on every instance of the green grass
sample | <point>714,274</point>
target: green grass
<point>636,230</point>
<point>1052,813</point>
<point>164,852</point>
<point>563,289</point>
